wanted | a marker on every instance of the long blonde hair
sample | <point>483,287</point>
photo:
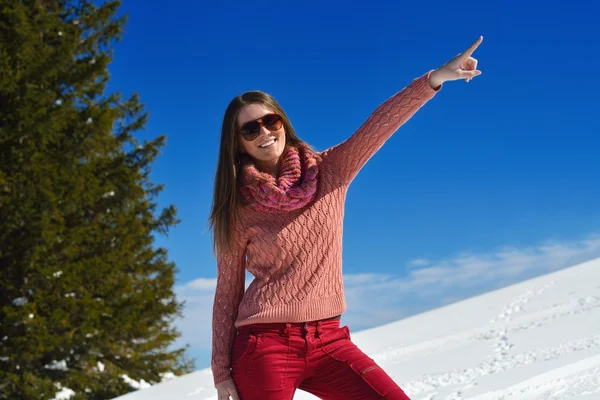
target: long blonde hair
<point>226,198</point>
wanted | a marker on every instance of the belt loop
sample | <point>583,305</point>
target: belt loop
<point>317,326</point>
<point>287,329</point>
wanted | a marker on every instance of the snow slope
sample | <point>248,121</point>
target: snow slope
<point>538,339</point>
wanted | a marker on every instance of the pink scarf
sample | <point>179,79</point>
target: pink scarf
<point>294,188</point>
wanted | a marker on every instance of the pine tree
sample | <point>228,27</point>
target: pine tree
<point>85,296</point>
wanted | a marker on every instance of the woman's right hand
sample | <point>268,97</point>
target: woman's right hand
<point>227,389</point>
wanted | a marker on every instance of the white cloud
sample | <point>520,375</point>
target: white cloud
<point>457,278</point>
<point>196,324</point>
<point>473,269</point>
<point>201,284</point>
<point>419,262</point>
<point>376,299</point>
<point>360,279</point>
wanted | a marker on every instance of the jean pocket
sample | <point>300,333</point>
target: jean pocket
<point>334,340</point>
<point>346,331</point>
<point>244,346</point>
<point>265,368</point>
<point>374,376</point>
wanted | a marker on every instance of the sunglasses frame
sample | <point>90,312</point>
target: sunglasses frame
<point>252,136</point>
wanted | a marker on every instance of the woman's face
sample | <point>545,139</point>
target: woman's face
<point>268,146</point>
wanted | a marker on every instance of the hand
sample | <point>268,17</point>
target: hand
<point>463,66</point>
<point>227,389</point>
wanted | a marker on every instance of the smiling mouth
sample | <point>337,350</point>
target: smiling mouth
<point>268,144</point>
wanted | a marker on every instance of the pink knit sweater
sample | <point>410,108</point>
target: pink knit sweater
<point>296,257</point>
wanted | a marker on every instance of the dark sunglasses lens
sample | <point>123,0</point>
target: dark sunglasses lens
<point>250,130</point>
<point>273,122</point>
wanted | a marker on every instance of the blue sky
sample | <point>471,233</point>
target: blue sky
<point>490,182</point>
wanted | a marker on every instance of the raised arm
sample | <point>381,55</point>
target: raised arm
<point>228,295</point>
<point>347,158</point>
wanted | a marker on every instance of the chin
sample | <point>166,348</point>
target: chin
<point>271,160</point>
<point>276,155</point>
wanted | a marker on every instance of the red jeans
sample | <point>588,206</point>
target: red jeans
<point>271,361</point>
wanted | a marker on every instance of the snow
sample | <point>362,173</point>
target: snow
<point>19,301</point>
<point>142,384</point>
<point>57,365</point>
<point>168,376</point>
<point>64,394</point>
<point>538,339</point>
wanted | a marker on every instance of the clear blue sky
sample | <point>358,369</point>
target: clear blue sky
<point>509,159</point>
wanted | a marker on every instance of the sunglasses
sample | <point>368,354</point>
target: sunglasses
<point>251,129</point>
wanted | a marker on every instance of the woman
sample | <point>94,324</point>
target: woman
<point>277,212</point>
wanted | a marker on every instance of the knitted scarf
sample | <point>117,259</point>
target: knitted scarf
<point>295,186</point>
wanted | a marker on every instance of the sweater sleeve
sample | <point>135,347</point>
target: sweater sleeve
<point>228,295</point>
<point>348,157</point>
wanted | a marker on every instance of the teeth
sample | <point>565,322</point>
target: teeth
<point>270,142</point>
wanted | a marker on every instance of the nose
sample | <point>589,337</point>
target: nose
<point>263,129</point>
<point>263,132</point>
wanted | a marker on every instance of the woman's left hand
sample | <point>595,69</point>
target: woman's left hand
<point>463,66</point>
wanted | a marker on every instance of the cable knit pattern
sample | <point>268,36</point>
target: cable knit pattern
<point>296,256</point>
<point>294,188</point>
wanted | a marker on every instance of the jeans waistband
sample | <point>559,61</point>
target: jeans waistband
<point>287,327</point>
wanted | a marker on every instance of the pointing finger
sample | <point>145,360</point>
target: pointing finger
<point>467,53</point>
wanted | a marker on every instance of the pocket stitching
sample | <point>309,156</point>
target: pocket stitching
<point>329,350</point>
<point>366,374</point>
<point>253,383</point>
<point>250,348</point>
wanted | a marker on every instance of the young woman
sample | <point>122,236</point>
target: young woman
<point>277,212</point>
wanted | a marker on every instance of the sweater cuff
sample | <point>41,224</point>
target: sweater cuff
<point>437,89</point>
<point>221,376</point>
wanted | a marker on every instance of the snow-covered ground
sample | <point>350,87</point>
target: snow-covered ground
<point>538,339</point>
